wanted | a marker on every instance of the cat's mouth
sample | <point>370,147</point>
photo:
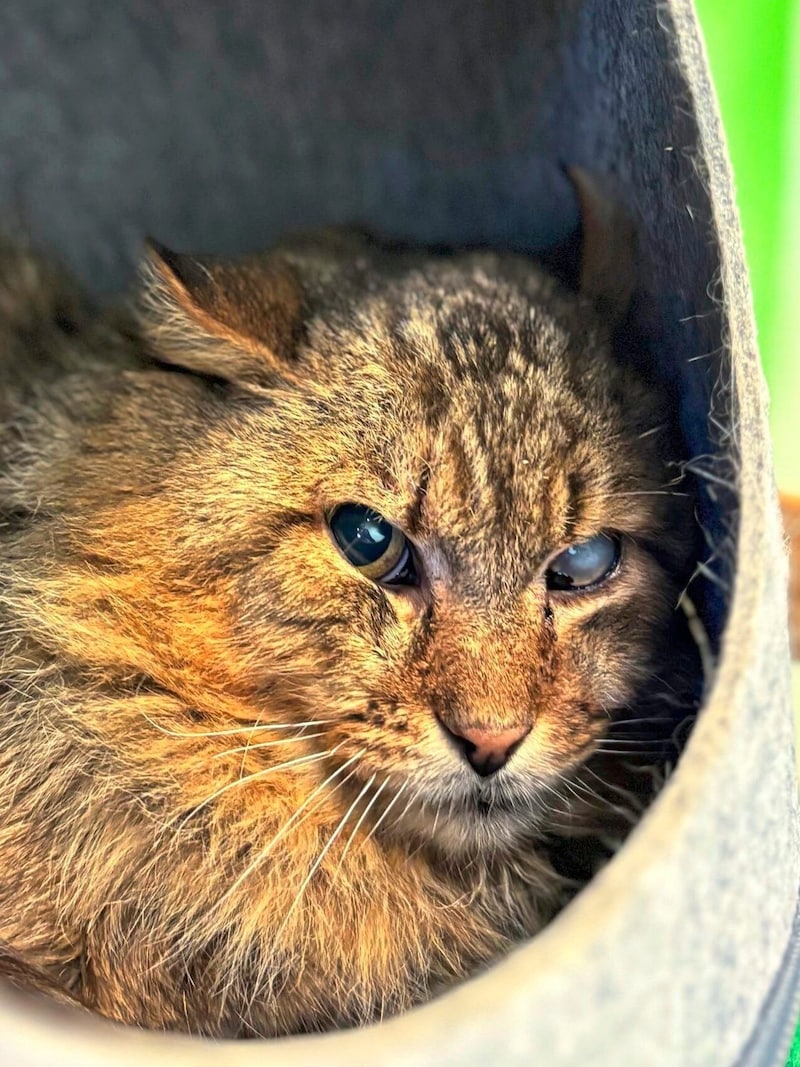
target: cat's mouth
<point>485,823</point>
<point>489,807</point>
<point>488,816</point>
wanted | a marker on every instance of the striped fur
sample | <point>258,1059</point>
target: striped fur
<point>227,806</point>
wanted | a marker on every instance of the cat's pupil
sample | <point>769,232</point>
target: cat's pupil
<point>375,533</point>
<point>584,564</point>
<point>362,535</point>
<point>373,545</point>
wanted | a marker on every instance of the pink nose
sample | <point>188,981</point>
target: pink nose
<point>485,750</point>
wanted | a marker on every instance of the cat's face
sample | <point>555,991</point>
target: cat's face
<point>447,486</point>
<point>371,535</point>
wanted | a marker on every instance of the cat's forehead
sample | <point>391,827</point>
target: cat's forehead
<point>514,481</point>
<point>496,440</point>
<point>488,404</point>
<point>511,390</point>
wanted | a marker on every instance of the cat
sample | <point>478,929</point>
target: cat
<point>327,578</point>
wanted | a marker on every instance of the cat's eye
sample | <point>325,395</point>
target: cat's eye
<point>585,564</point>
<point>375,547</point>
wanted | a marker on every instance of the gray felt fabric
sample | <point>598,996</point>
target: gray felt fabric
<point>216,126</point>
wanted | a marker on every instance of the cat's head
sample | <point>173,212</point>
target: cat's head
<point>414,502</point>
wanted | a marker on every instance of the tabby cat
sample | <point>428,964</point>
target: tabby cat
<point>331,580</point>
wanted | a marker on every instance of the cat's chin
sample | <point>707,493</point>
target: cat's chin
<point>486,821</point>
<point>476,830</point>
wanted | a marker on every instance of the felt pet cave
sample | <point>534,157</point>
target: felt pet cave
<point>215,127</point>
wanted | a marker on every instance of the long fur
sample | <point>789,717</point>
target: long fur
<point>227,804</point>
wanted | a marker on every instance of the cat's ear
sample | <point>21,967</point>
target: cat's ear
<point>237,321</point>
<point>608,245</point>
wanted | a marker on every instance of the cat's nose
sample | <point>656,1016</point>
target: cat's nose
<point>487,751</point>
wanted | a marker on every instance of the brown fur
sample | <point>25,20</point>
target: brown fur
<point>176,849</point>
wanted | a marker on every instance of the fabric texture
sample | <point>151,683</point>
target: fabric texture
<point>215,127</point>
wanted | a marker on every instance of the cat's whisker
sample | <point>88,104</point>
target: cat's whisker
<point>632,799</point>
<point>664,682</point>
<point>340,825</point>
<point>318,861</point>
<point>292,821</point>
<point>581,791</point>
<point>637,492</point>
<point>616,723</point>
<point>361,818</point>
<point>267,744</point>
<point>585,790</point>
<point>560,796</point>
<point>695,466</point>
<point>674,701</point>
<point>635,749</point>
<point>580,795</point>
<point>436,818</point>
<point>634,742</point>
<point>298,761</point>
<point>236,730</point>
<point>385,812</point>
<point>568,784</point>
<point>247,745</point>
<point>652,430</point>
<point>399,818</point>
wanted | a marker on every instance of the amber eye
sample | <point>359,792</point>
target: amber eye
<point>585,564</point>
<point>372,545</point>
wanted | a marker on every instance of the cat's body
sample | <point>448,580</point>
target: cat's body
<point>177,849</point>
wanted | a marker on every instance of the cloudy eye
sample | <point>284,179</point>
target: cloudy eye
<point>584,564</point>
<point>375,547</point>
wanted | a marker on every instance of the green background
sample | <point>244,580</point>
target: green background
<point>754,51</point>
